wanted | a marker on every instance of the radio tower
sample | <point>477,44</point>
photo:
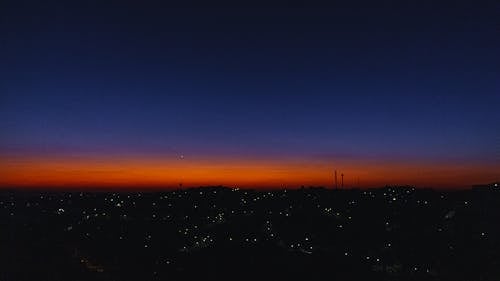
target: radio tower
<point>342,185</point>
<point>336,185</point>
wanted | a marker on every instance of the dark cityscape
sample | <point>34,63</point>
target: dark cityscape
<point>219,233</point>
<point>248,140</point>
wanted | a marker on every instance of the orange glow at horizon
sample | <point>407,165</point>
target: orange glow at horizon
<point>136,171</point>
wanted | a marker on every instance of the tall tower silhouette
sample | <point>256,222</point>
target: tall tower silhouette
<point>336,185</point>
<point>342,184</point>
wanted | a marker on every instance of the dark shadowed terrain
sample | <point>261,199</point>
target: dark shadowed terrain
<point>226,234</point>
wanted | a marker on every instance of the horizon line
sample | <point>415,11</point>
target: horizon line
<point>160,188</point>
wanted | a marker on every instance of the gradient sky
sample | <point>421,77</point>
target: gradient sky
<point>121,93</point>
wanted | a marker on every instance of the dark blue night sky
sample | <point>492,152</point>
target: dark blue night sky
<point>365,81</point>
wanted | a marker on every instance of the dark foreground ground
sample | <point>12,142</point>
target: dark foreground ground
<point>225,234</point>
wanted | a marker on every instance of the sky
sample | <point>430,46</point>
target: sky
<point>98,93</point>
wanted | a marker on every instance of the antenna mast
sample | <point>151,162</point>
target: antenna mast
<point>336,184</point>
